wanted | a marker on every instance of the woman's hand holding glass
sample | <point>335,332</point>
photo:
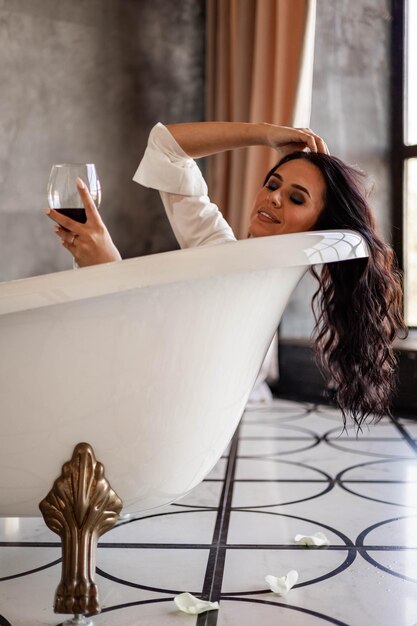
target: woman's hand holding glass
<point>89,243</point>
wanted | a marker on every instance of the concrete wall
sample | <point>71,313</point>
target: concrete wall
<point>351,111</point>
<point>84,81</point>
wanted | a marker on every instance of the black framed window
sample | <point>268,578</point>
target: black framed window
<point>404,147</point>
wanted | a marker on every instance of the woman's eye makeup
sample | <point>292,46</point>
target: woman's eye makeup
<point>297,199</point>
<point>272,184</point>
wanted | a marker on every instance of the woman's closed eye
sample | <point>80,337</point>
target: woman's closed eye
<point>272,184</point>
<point>297,199</point>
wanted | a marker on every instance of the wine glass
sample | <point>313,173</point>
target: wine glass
<point>63,193</point>
<point>62,189</point>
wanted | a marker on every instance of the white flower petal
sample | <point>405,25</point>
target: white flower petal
<point>282,585</point>
<point>188,603</point>
<point>318,539</point>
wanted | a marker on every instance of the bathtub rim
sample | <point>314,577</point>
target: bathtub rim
<point>247,255</point>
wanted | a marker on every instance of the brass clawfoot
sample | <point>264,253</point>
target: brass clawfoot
<point>80,507</point>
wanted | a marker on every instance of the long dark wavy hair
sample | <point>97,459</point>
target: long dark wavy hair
<point>358,304</point>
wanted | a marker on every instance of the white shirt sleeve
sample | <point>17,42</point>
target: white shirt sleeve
<point>195,220</point>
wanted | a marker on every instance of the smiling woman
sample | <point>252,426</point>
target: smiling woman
<point>357,304</point>
<point>290,201</point>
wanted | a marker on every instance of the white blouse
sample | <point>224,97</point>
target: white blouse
<point>195,220</point>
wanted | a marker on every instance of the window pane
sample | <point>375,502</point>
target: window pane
<point>411,73</point>
<point>410,235</point>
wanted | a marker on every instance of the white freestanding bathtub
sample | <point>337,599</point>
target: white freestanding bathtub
<point>149,360</point>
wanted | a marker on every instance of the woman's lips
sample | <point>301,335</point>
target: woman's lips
<point>265,216</point>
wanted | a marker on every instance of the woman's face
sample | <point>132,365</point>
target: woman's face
<point>290,202</point>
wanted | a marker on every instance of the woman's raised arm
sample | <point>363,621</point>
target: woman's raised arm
<point>200,139</point>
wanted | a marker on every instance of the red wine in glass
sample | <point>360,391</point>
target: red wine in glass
<point>75,214</point>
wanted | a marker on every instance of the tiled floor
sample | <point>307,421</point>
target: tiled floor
<point>287,471</point>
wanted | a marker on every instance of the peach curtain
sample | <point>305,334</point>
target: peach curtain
<point>259,69</point>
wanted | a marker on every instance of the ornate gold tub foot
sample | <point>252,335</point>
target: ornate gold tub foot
<point>80,507</point>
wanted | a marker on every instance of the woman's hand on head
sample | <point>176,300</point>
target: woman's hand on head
<point>286,139</point>
<point>89,243</point>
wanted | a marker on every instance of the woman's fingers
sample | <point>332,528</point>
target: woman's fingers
<point>89,243</point>
<point>309,138</point>
<point>311,142</point>
<point>65,235</point>
<point>91,247</point>
<point>319,143</point>
<point>64,221</point>
<point>289,138</point>
<point>68,245</point>
<point>88,202</point>
<point>93,216</point>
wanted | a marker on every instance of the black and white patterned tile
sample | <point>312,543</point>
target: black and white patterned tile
<point>289,469</point>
